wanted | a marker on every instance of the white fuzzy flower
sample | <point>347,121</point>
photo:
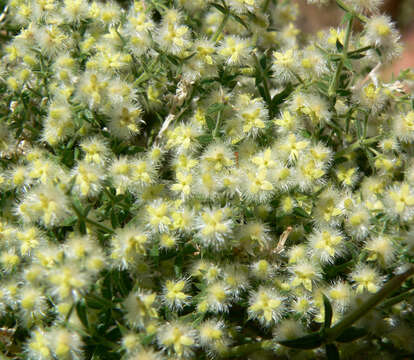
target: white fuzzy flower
<point>174,295</point>
<point>179,337</point>
<point>265,305</point>
<point>128,244</point>
<point>45,203</point>
<point>234,49</point>
<point>326,244</point>
<point>214,226</point>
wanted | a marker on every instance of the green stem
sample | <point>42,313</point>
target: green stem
<point>76,329</point>
<point>266,5</point>
<point>100,226</point>
<point>334,332</point>
<point>348,122</point>
<point>218,122</point>
<point>143,77</point>
<point>327,53</point>
<point>241,350</point>
<point>108,192</point>
<point>268,97</point>
<point>159,7</point>
<point>334,84</point>
<point>82,217</point>
<point>221,26</point>
<point>365,126</point>
<point>347,321</point>
<point>148,72</point>
<point>335,125</point>
<point>120,36</point>
<point>360,50</point>
<point>297,76</point>
<point>357,145</point>
<point>345,7</point>
<point>44,72</point>
<point>397,299</point>
<point>77,211</point>
<point>34,91</point>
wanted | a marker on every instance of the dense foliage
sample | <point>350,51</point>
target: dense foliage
<point>190,179</point>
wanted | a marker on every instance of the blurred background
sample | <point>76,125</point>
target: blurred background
<point>313,18</point>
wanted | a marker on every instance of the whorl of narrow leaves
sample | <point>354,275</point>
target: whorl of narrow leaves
<point>190,179</point>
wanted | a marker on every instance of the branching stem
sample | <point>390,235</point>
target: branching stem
<point>334,84</point>
<point>374,300</point>
<point>345,7</point>
<point>330,335</point>
<point>221,26</point>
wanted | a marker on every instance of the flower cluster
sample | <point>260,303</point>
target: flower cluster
<point>178,177</point>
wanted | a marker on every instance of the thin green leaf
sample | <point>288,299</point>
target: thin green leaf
<point>114,219</point>
<point>205,139</point>
<point>210,123</point>
<point>81,312</point>
<point>347,15</point>
<point>351,334</point>
<point>155,252</point>
<point>280,97</point>
<point>239,20</point>
<point>300,212</point>
<point>348,64</point>
<point>328,312</point>
<point>311,341</point>
<point>356,56</point>
<point>339,45</point>
<point>219,7</point>
<point>215,108</point>
<point>70,221</point>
